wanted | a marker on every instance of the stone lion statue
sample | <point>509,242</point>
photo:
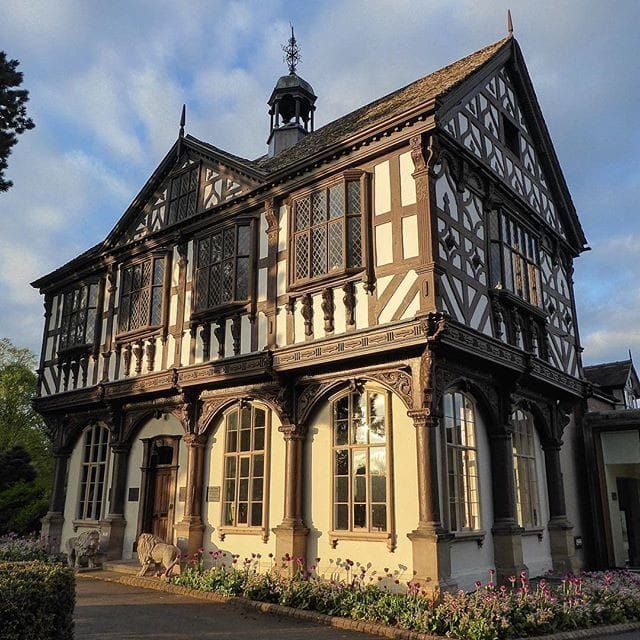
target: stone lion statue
<point>153,551</point>
<point>86,545</point>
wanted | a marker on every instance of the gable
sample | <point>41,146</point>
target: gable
<point>490,117</point>
<point>182,189</point>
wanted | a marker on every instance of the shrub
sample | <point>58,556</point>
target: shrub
<point>37,601</point>
<point>520,609</point>
<point>14,548</point>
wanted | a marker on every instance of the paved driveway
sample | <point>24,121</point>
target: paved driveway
<point>117,611</point>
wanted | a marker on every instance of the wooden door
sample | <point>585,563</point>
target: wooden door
<point>162,510</point>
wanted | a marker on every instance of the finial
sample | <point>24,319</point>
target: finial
<point>509,22</point>
<point>630,356</point>
<point>183,119</point>
<point>292,52</point>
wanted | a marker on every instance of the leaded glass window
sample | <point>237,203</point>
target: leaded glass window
<point>361,462</point>
<point>93,473</point>
<point>222,268</point>
<point>245,465</point>
<point>327,231</point>
<point>524,463</point>
<point>183,198</point>
<point>141,298</point>
<point>462,462</point>
<point>79,310</point>
<point>515,261</point>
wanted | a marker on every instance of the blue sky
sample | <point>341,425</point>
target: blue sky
<point>107,81</point>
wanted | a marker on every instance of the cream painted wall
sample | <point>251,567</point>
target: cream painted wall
<point>572,482</point>
<point>536,553</point>
<point>247,543</point>
<point>318,497</point>
<point>470,562</point>
<point>73,494</point>
<point>167,425</point>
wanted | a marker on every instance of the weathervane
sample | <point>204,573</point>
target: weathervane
<point>291,52</point>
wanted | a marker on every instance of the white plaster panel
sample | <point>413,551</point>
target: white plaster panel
<point>171,350</point>
<point>186,349</point>
<point>175,268</point>
<point>189,259</point>
<point>282,234</point>
<point>262,284</point>
<point>199,353</point>
<point>112,367</point>
<point>410,237</point>
<point>382,188</point>
<point>340,312</point>
<point>262,330</point>
<point>264,241</point>
<point>173,310</point>
<point>412,308</point>
<point>362,304</point>
<point>281,280</point>
<point>245,334</point>
<point>407,183</point>
<point>48,352</point>
<point>384,244</point>
<point>298,323</point>
<point>228,339</point>
<point>318,317</point>
<point>48,376</point>
<point>398,296</point>
<point>187,305</point>
<point>157,359</point>
<point>281,327</point>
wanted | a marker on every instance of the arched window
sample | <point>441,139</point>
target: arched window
<point>361,462</point>
<point>245,467</point>
<point>462,462</point>
<point>524,464</point>
<point>93,473</point>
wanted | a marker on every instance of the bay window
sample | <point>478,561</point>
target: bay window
<point>142,293</point>
<point>79,316</point>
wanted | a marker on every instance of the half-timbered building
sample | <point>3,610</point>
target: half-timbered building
<point>361,345</point>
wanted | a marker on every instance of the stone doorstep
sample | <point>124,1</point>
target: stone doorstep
<point>129,567</point>
<point>125,577</point>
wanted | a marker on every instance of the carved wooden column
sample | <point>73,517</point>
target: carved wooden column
<point>113,526</point>
<point>54,519</point>
<point>291,534</point>
<point>430,541</point>
<point>273,229</point>
<point>190,530</point>
<point>559,527</point>
<point>424,153</point>
<point>507,534</point>
<point>107,346</point>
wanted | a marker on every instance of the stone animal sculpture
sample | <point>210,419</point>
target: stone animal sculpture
<point>153,551</point>
<point>86,545</point>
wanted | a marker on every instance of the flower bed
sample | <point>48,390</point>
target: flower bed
<point>14,548</point>
<point>489,613</point>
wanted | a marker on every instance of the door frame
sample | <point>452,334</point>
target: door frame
<point>147,483</point>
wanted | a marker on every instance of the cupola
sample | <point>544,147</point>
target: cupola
<point>291,104</point>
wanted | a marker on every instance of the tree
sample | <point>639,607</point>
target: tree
<point>26,465</point>
<point>13,112</point>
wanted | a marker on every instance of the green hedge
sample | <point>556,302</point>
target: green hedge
<point>36,601</point>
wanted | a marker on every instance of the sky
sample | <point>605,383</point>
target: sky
<point>107,81</point>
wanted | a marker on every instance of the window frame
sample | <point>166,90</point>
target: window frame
<point>467,505</point>
<point>529,460</point>
<point>368,533</point>
<point>84,346</point>
<point>82,513</point>
<point>250,222</point>
<point>529,258</point>
<point>147,329</point>
<point>246,529</point>
<point>197,166</point>
<point>352,175</point>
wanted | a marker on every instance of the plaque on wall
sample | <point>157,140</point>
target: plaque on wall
<point>182,494</point>
<point>134,494</point>
<point>213,494</point>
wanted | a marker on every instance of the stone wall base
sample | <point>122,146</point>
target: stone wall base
<point>432,559</point>
<point>562,548</point>
<point>52,530</point>
<point>291,541</point>
<point>507,552</point>
<point>112,536</point>
<point>189,535</point>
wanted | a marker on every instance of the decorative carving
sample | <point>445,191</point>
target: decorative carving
<point>236,333</point>
<point>205,334</point>
<point>84,367</point>
<point>398,380</point>
<point>150,352</point>
<point>75,368</point>
<point>307,314</point>
<point>126,356</point>
<point>349,301</point>
<point>418,153</point>
<point>271,215</point>
<point>138,349</point>
<point>219,333</point>
<point>328,309</point>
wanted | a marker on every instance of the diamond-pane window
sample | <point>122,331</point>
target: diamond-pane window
<point>142,295</point>
<point>183,197</point>
<point>327,236</point>
<point>79,309</point>
<point>223,268</point>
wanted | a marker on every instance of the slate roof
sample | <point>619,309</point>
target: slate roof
<point>609,375</point>
<point>432,86</point>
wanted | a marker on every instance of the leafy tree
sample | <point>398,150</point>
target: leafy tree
<point>13,112</point>
<point>26,465</point>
